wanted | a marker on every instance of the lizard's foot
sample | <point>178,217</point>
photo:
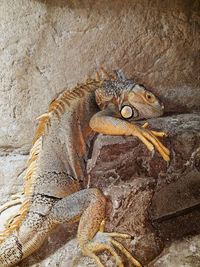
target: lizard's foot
<point>149,138</point>
<point>105,241</point>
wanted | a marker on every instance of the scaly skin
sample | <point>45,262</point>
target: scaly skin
<point>56,175</point>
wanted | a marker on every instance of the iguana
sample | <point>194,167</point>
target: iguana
<point>55,190</point>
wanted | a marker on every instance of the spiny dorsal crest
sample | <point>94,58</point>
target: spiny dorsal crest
<point>57,107</point>
<point>61,103</point>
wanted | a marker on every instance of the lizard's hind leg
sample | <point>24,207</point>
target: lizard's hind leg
<point>89,205</point>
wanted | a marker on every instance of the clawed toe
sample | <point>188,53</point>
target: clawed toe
<point>120,235</point>
<point>130,258</point>
<point>105,241</point>
<point>150,137</point>
<point>159,134</point>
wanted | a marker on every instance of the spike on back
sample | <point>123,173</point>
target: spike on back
<point>120,74</point>
<point>102,74</point>
<point>44,121</point>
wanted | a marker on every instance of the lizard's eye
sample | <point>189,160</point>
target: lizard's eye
<point>127,112</point>
<point>149,97</point>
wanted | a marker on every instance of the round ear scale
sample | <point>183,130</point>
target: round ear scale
<point>127,112</point>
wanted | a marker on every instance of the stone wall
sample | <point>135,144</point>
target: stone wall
<point>46,46</point>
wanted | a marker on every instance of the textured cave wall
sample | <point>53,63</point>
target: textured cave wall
<point>46,46</point>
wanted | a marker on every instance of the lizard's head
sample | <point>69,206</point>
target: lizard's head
<point>128,99</point>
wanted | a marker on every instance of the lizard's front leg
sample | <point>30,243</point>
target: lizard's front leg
<point>104,122</point>
<point>88,205</point>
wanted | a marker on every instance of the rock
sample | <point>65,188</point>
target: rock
<point>181,253</point>
<point>12,170</point>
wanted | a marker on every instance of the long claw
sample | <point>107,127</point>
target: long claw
<point>97,247</point>
<point>160,144</point>
<point>145,125</point>
<point>120,235</point>
<point>96,258</point>
<point>166,150</point>
<point>144,140</point>
<point>126,253</point>
<point>160,147</point>
<point>159,134</point>
<point>115,255</point>
<point>105,241</point>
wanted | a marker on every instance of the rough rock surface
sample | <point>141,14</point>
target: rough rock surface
<point>49,45</point>
<point>184,252</point>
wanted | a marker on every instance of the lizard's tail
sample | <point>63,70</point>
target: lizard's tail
<point>25,199</point>
<point>10,251</point>
<point>25,240</point>
<point>10,246</point>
